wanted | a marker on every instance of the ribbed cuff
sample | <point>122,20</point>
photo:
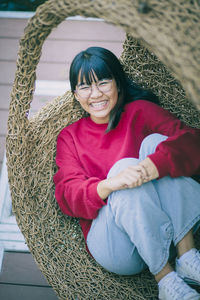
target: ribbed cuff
<point>92,194</point>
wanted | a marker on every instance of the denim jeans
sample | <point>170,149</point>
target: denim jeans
<point>137,226</point>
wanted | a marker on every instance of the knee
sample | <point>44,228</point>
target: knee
<point>149,144</point>
<point>121,165</point>
<point>127,262</point>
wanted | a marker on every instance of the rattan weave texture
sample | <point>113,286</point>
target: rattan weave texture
<point>55,240</point>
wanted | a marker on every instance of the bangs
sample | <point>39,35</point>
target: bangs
<point>93,70</point>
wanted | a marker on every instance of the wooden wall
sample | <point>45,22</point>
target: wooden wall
<point>70,37</point>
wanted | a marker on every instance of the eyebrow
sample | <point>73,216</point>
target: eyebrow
<point>85,83</point>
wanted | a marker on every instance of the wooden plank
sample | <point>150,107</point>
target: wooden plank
<point>3,118</point>
<point>8,48</point>
<point>22,292</point>
<point>2,146</point>
<point>5,207</point>
<point>5,91</point>
<point>64,50</point>
<point>45,71</point>
<point>53,71</point>
<point>20,268</point>
<point>7,73</point>
<point>12,28</point>
<point>57,50</point>
<point>14,246</point>
<point>10,232</point>
<point>70,29</point>
<point>88,30</point>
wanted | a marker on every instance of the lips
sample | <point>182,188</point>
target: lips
<point>99,105</point>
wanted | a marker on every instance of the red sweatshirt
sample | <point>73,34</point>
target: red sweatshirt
<point>85,154</point>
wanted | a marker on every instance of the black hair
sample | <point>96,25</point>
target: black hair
<point>105,64</point>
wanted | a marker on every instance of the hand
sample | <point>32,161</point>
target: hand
<point>151,169</point>
<point>130,177</point>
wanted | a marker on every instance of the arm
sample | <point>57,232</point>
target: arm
<point>75,193</point>
<point>179,154</point>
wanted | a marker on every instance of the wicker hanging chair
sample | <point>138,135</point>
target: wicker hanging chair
<point>161,45</point>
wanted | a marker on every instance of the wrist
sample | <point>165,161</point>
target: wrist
<point>104,189</point>
<point>150,168</point>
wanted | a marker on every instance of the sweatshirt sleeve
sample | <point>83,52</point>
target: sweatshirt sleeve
<point>75,193</point>
<point>179,154</point>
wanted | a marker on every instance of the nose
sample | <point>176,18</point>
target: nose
<point>95,92</point>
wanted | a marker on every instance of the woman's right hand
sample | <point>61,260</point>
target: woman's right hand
<point>130,177</point>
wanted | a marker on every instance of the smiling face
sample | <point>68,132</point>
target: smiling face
<point>100,101</point>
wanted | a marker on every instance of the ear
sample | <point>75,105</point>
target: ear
<point>76,96</point>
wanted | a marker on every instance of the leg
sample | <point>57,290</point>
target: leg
<point>111,246</point>
<point>138,213</point>
<point>186,244</point>
<point>166,270</point>
<point>133,214</point>
<point>182,190</point>
<point>146,206</point>
<point>111,242</point>
<point>183,209</point>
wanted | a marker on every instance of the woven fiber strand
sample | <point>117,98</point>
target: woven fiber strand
<point>145,68</point>
<point>56,240</point>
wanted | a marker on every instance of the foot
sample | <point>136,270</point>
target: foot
<point>172,287</point>
<point>188,267</point>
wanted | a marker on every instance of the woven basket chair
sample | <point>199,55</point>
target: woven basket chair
<point>161,52</point>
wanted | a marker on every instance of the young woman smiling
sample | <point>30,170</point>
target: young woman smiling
<point>124,172</point>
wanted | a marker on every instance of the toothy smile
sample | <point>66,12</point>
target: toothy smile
<point>99,105</point>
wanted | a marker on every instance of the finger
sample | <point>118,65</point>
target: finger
<point>134,181</point>
<point>144,171</point>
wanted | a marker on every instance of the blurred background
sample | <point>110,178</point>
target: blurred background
<point>17,5</point>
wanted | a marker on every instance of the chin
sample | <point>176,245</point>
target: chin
<point>99,119</point>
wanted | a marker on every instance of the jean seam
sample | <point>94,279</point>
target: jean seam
<point>166,257</point>
<point>186,230</point>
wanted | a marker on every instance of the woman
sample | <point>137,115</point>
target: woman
<point>107,166</point>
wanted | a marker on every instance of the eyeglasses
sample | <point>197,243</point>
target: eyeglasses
<point>84,90</point>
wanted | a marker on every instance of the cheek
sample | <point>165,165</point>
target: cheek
<point>83,103</point>
<point>115,96</point>
<point>115,93</point>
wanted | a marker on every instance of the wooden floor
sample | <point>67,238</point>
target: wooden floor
<point>20,279</point>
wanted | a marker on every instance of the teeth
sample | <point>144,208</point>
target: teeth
<point>98,104</point>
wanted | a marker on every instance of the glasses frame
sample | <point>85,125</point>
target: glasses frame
<point>96,84</point>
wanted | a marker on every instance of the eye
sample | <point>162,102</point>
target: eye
<point>103,82</point>
<point>84,87</point>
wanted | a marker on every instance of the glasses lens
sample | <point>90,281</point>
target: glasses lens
<point>104,85</point>
<point>85,90</point>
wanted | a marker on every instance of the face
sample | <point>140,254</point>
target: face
<point>99,104</point>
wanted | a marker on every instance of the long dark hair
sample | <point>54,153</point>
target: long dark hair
<point>106,65</point>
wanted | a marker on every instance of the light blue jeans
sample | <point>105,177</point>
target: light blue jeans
<point>137,226</point>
